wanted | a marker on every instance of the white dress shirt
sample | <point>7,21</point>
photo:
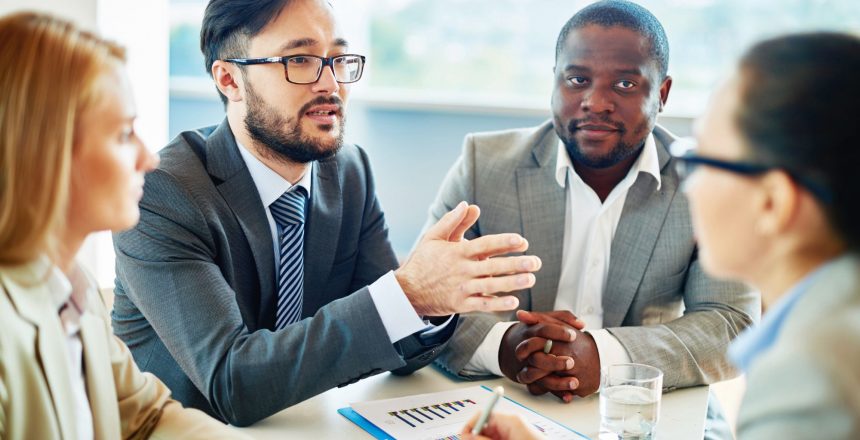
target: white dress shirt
<point>397,314</point>
<point>585,258</point>
<point>69,298</point>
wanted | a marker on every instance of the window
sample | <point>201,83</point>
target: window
<point>501,52</point>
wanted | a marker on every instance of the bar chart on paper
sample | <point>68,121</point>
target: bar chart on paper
<point>442,415</point>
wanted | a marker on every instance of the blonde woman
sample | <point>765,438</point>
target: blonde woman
<point>70,165</point>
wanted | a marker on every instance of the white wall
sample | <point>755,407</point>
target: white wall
<point>142,27</point>
<point>82,12</point>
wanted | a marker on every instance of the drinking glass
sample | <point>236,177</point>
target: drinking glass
<point>630,402</point>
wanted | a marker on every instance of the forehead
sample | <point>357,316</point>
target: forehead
<point>112,93</point>
<point>302,23</point>
<point>595,46</point>
<point>716,130</point>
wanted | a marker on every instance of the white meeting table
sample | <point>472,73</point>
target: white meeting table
<point>682,413</point>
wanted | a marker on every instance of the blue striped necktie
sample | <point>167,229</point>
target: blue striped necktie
<point>289,214</point>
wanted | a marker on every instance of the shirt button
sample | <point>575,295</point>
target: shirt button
<point>590,310</point>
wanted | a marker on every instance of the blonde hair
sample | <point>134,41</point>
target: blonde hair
<point>47,74</point>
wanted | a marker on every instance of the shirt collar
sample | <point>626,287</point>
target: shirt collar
<point>270,184</point>
<point>756,340</point>
<point>647,162</point>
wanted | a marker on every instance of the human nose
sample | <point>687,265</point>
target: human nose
<point>327,83</point>
<point>146,160</point>
<point>596,100</point>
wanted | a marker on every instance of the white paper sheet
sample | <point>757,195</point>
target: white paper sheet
<point>441,415</point>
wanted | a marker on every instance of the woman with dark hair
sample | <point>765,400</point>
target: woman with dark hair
<point>773,192</point>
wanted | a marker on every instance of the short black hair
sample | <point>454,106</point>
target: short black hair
<point>798,111</point>
<point>229,24</point>
<point>626,14</point>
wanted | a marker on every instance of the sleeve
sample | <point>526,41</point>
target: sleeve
<point>692,349</point>
<point>375,258</point>
<point>146,409</point>
<point>458,186</point>
<point>167,266</point>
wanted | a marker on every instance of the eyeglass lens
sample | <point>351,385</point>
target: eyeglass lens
<point>306,69</point>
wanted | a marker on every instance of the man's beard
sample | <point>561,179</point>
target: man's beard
<point>622,150</point>
<point>282,138</point>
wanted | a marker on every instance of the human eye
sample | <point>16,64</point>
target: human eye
<point>299,60</point>
<point>126,135</point>
<point>625,84</point>
<point>577,80</point>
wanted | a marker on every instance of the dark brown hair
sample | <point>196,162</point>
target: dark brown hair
<point>799,111</point>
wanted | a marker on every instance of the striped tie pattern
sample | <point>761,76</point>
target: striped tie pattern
<point>289,214</point>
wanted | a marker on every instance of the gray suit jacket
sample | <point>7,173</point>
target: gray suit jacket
<point>807,385</point>
<point>657,302</point>
<point>196,293</point>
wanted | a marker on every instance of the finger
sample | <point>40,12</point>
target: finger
<point>528,346</point>
<point>555,332</point>
<point>471,423</point>
<point>506,265</point>
<point>559,383</point>
<point>536,389</point>
<point>565,396</point>
<point>528,374</point>
<point>549,362</point>
<point>505,283</point>
<point>497,244</point>
<point>487,303</point>
<point>472,214</point>
<point>446,225</point>
<point>557,316</point>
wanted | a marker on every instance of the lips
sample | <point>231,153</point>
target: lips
<point>324,113</point>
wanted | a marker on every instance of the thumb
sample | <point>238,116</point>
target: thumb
<point>448,224</point>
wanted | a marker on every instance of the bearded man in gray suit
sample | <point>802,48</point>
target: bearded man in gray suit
<point>261,273</point>
<point>595,192</point>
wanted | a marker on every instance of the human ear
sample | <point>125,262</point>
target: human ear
<point>780,200</point>
<point>665,86</point>
<point>228,79</point>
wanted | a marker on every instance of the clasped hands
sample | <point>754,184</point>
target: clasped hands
<point>571,368</point>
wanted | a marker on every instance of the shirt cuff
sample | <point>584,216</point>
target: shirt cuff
<point>397,314</point>
<point>609,349</point>
<point>486,357</point>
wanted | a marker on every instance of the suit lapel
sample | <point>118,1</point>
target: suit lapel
<point>237,187</point>
<point>27,290</point>
<point>542,205</point>
<point>641,221</point>
<point>322,231</point>
<point>97,366</point>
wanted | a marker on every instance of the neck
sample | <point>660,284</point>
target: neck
<point>291,171</point>
<point>604,180</point>
<point>70,244</point>
<point>777,278</point>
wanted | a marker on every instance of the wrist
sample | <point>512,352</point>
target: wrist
<point>508,363</point>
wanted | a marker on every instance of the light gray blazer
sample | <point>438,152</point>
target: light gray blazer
<point>657,302</point>
<point>195,288</point>
<point>807,385</point>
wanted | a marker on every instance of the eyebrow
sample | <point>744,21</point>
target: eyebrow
<point>308,42</point>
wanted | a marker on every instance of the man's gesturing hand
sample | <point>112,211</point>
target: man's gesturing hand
<point>445,275</point>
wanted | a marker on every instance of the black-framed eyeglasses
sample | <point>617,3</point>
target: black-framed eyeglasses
<point>307,69</point>
<point>686,161</point>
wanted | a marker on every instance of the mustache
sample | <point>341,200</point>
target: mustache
<point>574,124</point>
<point>323,100</point>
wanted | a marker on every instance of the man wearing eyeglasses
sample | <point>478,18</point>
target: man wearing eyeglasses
<point>261,273</point>
<point>594,192</point>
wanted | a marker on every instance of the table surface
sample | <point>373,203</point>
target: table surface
<point>682,412</point>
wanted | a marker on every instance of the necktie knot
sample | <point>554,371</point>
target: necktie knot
<point>289,209</point>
